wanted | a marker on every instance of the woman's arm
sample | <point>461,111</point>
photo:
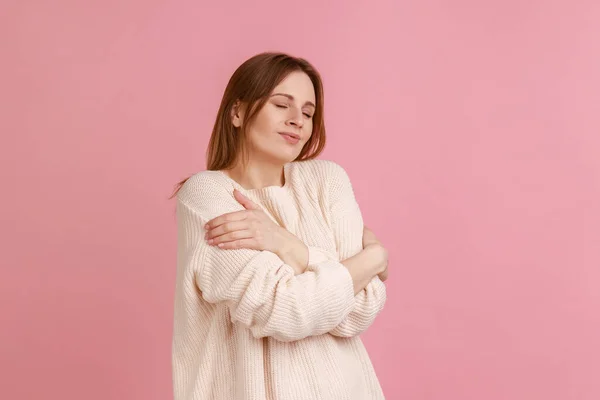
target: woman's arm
<point>346,221</point>
<point>369,238</point>
<point>252,229</point>
<point>366,265</point>
<point>348,229</point>
<point>262,292</point>
<point>363,267</point>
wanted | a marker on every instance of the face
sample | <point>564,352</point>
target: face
<point>284,125</point>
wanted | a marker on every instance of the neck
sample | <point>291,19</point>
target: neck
<point>257,175</point>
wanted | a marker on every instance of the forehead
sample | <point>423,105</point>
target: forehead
<point>299,85</point>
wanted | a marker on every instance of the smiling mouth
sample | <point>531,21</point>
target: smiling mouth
<point>292,135</point>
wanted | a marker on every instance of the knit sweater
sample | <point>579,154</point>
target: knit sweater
<point>245,326</point>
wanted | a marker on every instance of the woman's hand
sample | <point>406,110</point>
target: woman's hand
<point>248,229</point>
<point>369,237</point>
<point>253,229</point>
<point>370,240</point>
<point>365,265</point>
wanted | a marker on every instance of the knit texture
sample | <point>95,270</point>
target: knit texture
<point>247,328</point>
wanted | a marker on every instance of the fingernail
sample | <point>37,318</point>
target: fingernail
<point>210,241</point>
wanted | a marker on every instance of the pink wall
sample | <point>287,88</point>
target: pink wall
<point>471,131</point>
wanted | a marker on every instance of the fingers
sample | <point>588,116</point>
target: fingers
<point>241,244</point>
<point>225,218</point>
<point>243,200</point>
<point>231,239</point>
<point>369,237</point>
<point>227,227</point>
<point>384,275</point>
<point>237,215</point>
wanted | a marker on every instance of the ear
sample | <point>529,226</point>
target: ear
<point>237,114</point>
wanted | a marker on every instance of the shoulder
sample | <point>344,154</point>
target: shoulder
<point>208,193</point>
<point>324,179</point>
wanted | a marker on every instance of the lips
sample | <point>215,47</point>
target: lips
<point>291,134</point>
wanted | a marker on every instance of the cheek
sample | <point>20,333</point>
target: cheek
<point>266,123</point>
<point>261,135</point>
<point>308,127</point>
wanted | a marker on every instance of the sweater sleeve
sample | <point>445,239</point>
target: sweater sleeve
<point>260,290</point>
<point>347,223</point>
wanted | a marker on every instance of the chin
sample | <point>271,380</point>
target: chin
<point>284,160</point>
<point>284,156</point>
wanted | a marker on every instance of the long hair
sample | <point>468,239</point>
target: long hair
<point>251,84</point>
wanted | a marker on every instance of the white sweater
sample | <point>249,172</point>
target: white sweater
<point>247,328</point>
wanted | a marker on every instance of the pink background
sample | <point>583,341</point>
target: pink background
<point>471,131</point>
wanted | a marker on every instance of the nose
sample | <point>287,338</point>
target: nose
<point>295,118</point>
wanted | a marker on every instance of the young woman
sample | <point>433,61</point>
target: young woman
<point>276,275</point>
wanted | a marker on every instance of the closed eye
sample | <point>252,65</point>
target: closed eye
<point>307,115</point>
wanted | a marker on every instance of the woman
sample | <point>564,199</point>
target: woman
<point>276,275</point>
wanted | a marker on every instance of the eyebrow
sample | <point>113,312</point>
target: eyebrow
<point>289,96</point>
